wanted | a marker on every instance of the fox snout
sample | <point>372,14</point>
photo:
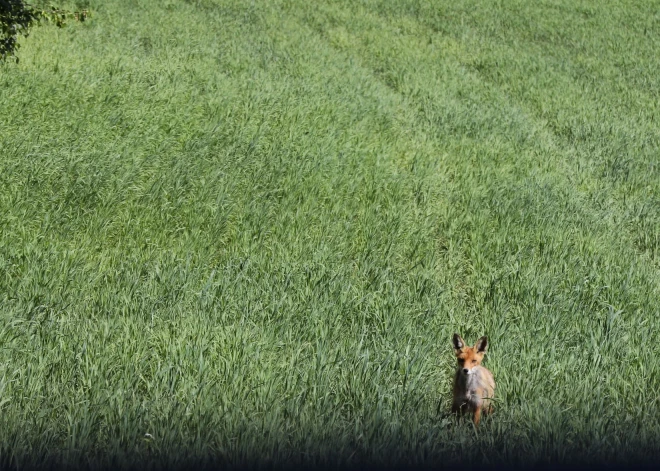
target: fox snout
<point>469,357</point>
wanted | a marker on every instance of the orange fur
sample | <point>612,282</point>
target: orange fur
<point>474,386</point>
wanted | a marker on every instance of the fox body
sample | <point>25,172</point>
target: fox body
<point>474,385</point>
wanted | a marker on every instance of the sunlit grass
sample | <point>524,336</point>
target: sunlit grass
<point>244,232</point>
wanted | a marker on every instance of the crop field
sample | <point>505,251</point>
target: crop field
<point>242,233</point>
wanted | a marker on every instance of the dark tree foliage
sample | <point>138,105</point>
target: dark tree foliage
<point>17,17</point>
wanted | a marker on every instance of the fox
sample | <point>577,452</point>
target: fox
<point>474,385</point>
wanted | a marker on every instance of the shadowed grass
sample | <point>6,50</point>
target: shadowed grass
<point>244,232</point>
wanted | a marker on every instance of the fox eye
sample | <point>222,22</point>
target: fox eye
<point>474,361</point>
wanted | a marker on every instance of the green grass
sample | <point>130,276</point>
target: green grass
<point>249,229</point>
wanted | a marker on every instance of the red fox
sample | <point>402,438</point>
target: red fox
<point>474,385</point>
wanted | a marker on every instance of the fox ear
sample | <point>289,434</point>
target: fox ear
<point>458,342</point>
<point>482,345</point>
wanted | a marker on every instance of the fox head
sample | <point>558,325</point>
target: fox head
<point>469,357</point>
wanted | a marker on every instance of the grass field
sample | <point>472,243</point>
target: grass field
<point>249,229</point>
